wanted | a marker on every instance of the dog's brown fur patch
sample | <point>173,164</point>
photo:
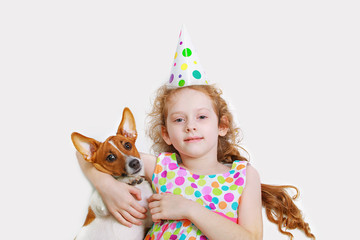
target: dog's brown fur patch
<point>90,217</point>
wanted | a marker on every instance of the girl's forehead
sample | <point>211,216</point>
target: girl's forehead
<point>189,99</point>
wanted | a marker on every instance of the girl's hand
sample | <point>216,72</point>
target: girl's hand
<point>168,206</point>
<point>119,199</point>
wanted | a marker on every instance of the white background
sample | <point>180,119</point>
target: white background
<point>289,69</point>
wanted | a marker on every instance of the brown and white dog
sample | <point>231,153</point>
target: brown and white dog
<point>118,157</point>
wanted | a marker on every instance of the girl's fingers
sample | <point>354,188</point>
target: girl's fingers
<point>154,204</point>
<point>130,218</point>
<point>154,197</point>
<point>135,192</point>
<point>135,213</point>
<point>155,210</point>
<point>137,207</point>
<point>156,217</point>
<point>121,220</point>
<point>140,209</point>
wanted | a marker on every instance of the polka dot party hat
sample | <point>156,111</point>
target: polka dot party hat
<point>186,69</point>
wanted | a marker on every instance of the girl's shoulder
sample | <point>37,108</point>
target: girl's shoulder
<point>147,157</point>
<point>149,161</point>
<point>252,174</point>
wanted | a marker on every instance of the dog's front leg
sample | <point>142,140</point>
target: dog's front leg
<point>98,206</point>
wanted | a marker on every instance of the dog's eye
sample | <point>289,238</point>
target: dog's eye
<point>111,158</point>
<point>127,146</point>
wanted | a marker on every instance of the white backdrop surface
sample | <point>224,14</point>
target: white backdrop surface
<point>290,71</point>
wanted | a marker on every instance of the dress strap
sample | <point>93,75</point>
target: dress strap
<point>238,165</point>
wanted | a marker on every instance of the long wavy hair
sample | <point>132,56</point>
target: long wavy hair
<point>279,205</point>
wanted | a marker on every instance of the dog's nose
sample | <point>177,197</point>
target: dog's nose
<point>134,164</point>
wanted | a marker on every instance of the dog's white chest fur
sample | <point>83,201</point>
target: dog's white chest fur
<point>105,226</point>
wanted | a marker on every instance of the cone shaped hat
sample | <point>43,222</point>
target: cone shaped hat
<point>186,69</point>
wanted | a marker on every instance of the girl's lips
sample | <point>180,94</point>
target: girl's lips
<point>193,139</point>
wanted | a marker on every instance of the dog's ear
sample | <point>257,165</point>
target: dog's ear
<point>127,126</point>
<point>86,146</point>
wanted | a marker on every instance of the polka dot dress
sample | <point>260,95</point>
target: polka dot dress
<point>219,193</point>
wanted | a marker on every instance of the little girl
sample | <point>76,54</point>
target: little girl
<point>197,193</point>
<point>204,188</point>
<point>196,126</point>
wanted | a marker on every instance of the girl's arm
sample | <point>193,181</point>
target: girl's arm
<point>149,164</point>
<point>117,196</point>
<point>212,225</point>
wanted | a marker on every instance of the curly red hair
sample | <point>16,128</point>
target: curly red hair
<point>279,205</point>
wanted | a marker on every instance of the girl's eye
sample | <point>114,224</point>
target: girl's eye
<point>203,117</point>
<point>179,120</point>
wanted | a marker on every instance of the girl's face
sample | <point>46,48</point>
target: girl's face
<point>192,124</point>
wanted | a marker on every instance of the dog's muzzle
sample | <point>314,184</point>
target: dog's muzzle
<point>134,166</point>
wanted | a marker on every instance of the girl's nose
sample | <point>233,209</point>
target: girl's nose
<point>190,127</point>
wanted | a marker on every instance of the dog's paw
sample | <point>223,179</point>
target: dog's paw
<point>134,180</point>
